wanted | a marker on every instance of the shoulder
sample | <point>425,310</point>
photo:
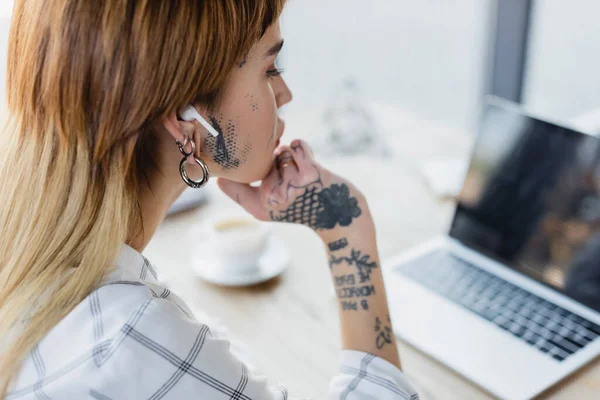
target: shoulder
<point>95,321</point>
<point>160,350</point>
<point>81,343</point>
<point>141,346</point>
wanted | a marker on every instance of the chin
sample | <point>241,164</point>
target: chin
<point>245,175</point>
<point>265,171</point>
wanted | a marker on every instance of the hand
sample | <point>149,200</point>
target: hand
<point>299,190</point>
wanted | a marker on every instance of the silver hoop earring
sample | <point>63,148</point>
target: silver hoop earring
<point>182,146</point>
<point>199,161</point>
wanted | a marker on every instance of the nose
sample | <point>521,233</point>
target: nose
<point>283,93</point>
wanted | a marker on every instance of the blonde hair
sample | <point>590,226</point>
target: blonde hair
<point>86,81</point>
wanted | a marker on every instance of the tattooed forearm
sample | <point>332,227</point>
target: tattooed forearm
<point>338,244</point>
<point>384,333</point>
<point>347,286</point>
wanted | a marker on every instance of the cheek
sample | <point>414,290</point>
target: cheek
<point>261,116</point>
<point>248,135</point>
<point>252,102</point>
<point>231,149</point>
<point>258,134</point>
<point>263,138</point>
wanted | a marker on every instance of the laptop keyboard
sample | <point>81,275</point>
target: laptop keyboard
<point>547,327</point>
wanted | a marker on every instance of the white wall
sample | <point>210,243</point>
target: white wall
<point>426,57</point>
<point>5,8</point>
<point>563,69</point>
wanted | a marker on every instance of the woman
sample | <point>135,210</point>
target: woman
<point>90,166</point>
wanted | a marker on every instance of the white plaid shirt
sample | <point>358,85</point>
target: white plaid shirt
<point>134,339</point>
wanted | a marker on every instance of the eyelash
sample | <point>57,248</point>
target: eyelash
<point>272,73</point>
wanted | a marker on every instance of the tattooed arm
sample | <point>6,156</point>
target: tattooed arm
<point>363,307</point>
<point>298,190</point>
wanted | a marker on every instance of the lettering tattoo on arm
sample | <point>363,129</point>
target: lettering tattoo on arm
<point>353,305</point>
<point>384,333</point>
<point>351,292</point>
<point>347,286</point>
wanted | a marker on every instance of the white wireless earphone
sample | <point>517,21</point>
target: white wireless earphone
<point>189,113</point>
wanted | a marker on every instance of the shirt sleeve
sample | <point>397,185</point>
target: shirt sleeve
<point>160,353</point>
<point>366,376</point>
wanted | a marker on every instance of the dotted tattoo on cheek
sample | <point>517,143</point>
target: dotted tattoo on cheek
<point>225,149</point>
<point>253,102</point>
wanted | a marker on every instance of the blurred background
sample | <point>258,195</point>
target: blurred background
<point>347,60</point>
<point>438,58</point>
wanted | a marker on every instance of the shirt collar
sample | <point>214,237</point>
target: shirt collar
<point>131,265</point>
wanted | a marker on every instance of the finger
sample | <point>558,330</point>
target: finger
<point>280,150</point>
<point>245,195</point>
<point>285,160</point>
<point>288,168</point>
<point>282,157</point>
<point>285,156</point>
<point>272,188</point>
<point>302,152</point>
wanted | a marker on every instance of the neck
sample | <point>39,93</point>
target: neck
<point>155,201</point>
<point>162,186</point>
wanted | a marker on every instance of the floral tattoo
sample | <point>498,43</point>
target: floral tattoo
<point>339,207</point>
<point>322,209</point>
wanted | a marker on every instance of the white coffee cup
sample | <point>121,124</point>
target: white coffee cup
<point>237,242</point>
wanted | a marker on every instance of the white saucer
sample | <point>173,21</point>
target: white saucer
<point>274,261</point>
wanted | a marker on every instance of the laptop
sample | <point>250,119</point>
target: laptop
<point>510,297</point>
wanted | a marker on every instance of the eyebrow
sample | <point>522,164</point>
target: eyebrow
<point>275,49</point>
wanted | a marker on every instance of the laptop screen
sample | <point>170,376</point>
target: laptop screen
<point>531,199</point>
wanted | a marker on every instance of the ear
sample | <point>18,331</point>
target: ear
<point>178,128</point>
